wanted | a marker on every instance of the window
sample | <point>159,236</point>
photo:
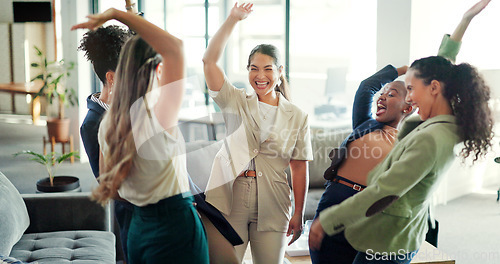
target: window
<point>332,49</point>
<point>188,21</point>
<point>266,25</point>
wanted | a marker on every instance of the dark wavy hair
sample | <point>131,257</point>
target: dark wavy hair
<point>272,51</point>
<point>468,95</point>
<point>102,48</point>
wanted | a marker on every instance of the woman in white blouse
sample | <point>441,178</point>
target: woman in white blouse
<point>265,135</point>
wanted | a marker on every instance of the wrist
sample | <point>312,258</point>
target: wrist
<point>466,20</point>
<point>233,19</point>
<point>129,7</point>
<point>116,14</point>
<point>299,213</point>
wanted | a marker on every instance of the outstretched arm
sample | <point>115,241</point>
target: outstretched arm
<point>467,18</point>
<point>167,45</point>
<point>450,45</point>
<point>214,75</point>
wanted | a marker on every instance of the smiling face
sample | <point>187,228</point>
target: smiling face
<point>263,75</point>
<point>419,94</point>
<point>391,105</point>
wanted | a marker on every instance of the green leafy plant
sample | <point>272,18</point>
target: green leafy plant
<point>51,161</point>
<point>52,74</point>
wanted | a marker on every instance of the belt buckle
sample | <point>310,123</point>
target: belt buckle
<point>357,187</point>
<point>245,174</point>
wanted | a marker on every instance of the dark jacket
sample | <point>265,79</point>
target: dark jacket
<point>88,131</point>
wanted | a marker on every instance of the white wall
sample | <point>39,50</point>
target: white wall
<point>393,32</point>
<point>72,13</point>
<point>431,19</point>
<point>18,52</point>
<point>4,53</point>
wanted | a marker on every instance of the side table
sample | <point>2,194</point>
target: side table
<point>53,142</point>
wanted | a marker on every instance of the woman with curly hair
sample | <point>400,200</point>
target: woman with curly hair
<point>389,217</point>
<point>375,137</point>
<point>143,151</point>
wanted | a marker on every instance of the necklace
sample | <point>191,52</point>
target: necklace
<point>270,107</point>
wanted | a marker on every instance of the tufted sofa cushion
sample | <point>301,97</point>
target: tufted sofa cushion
<point>11,260</point>
<point>14,217</point>
<point>77,247</point>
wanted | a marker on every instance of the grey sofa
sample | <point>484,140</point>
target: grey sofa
<point>200,155</point>
<point>53,228</point>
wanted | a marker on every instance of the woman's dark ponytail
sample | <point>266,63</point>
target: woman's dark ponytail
<point>468,95</point>
<point>284,88</point>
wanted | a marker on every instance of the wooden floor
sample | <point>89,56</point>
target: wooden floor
<point>427,254</point>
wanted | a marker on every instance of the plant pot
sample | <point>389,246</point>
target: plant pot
<point>61,184</point>
<point>59,129</point>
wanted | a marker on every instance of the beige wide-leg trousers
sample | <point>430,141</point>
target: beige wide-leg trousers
<point>267,247</point>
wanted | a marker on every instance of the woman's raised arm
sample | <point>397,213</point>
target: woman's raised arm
<point>214,75</point>
<point>467,18</point>
<point>167,45</point>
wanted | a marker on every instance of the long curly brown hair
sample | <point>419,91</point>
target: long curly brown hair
<point>468,95</point>
<point>133,80</point>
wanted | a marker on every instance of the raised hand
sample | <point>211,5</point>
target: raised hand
<point>241,12</point>
<point>402,70</point>
<point>476,9</point>
<point>96,20</point>
<point>467,18</point>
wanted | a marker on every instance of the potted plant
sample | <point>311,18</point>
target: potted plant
<point>53,76</point>
<point>51,162</point>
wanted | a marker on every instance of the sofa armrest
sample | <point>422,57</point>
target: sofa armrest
<point>50,212</point>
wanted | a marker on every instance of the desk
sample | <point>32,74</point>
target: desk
<point>24,88</point>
